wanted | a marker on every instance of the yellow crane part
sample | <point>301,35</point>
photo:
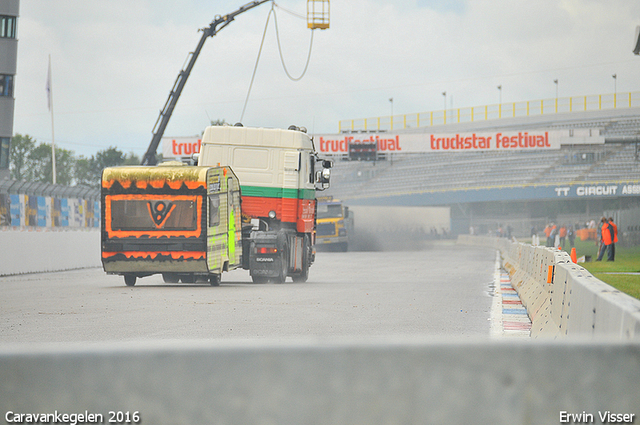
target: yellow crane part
<point>318,14</point>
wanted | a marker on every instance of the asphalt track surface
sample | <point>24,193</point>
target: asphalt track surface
<point>439,291</point>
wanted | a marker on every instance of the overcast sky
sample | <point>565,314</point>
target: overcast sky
<point>115,61</point>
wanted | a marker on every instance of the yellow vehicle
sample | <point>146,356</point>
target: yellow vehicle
<point>334,224</point>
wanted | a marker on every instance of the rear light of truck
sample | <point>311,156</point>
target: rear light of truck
<point>266,250</point>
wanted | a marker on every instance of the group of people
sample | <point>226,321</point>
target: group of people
<point>608,233</point>
<point>552,231</point>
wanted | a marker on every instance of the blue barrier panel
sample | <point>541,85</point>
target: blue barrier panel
<point>15,209</point>
<point>55,212</point>
<point>64,212</point>
<point>41,211</point>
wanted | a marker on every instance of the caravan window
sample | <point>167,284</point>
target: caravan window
<point>155,214</point>
<point>214,210</point>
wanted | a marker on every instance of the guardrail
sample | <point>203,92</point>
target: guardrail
<point>410,381</point>
<point>495,111</point>
<point>562,298</point>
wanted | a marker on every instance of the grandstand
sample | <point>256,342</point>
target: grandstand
<point>449,171</point>
<point>516,179</point>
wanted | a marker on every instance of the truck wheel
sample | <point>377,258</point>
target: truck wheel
<point>130,279</point>
<point>284,265</point>
<point>306,256</point>
<point>215,279</point>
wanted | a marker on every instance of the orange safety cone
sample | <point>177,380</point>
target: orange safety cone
<point>574,256</point>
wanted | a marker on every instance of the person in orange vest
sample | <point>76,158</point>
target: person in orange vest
<point>563,234</point>
<point>606,239</point>
<point>552,236</point>
<point>547,232</point>
<point>611,255</point>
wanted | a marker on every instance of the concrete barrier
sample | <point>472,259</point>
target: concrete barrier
<point>572,302</point>
<point>35,251</point>
<point>311,382</point>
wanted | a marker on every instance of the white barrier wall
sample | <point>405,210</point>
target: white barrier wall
<point>35,251</point>
<point>568,302</point>
<point>310,382</point>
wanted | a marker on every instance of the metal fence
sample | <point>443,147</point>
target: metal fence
<point>497,111</point>
<point>45,205</point>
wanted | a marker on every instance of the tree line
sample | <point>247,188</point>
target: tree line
<point>30,160</point>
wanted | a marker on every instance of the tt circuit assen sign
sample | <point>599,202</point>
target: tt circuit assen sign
<point>440,142</point>
<point>597,190</point>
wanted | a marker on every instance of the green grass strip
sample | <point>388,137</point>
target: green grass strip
<point>627,260</point>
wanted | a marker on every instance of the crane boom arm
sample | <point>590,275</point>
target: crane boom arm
<point>163,119</point>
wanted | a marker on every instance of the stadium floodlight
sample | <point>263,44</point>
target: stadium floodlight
<point>637,39</point>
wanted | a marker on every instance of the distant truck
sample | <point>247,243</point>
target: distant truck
<point>259,183</point>
<point>335,224</point>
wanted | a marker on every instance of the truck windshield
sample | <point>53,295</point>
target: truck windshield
<point>329,211</point>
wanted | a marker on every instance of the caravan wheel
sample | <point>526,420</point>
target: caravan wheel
<point>215,279</point>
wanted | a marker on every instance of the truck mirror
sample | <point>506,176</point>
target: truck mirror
<point>323,176</point>
<point>326,175</point>
<point>327,163</point>
<point>322,179</point>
